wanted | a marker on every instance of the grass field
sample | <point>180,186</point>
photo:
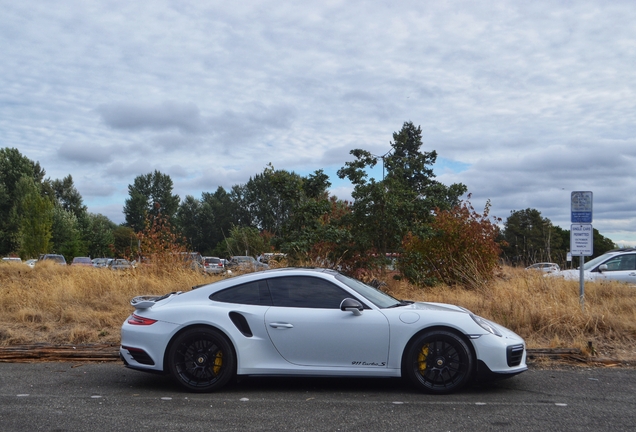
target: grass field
<point>78,305</point>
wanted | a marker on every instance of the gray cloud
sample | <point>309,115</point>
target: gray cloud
<point>85,153</point>
<point>184,117</point>
<point>536,99</point>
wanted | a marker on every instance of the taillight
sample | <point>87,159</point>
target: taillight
<point>137,320</point>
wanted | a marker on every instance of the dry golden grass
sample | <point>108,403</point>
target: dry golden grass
<point>64,304</point>
<point>77,305</point>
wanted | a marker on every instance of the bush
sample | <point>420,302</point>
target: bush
<point>462,249</point>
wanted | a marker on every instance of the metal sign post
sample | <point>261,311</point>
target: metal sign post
<point>581,244</point>
<point>581,233</point>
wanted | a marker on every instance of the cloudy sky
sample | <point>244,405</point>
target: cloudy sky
<point>524,102</point>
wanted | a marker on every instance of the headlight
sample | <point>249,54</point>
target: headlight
<point>485,324</point>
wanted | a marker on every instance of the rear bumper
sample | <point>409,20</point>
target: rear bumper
<point>130,366</point>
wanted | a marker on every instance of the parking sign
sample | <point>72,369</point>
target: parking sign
<point>581,239</point>
<point>581,205</point>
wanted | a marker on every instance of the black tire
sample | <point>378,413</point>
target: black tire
<point>438,362</point>
<point>201,360</point>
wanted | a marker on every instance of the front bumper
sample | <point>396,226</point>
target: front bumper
<point>484,374</point>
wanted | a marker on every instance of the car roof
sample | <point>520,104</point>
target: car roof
<point>622,250</point>
<point>265,274</point>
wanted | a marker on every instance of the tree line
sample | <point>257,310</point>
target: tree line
<point>529,238</point>
<point>407,213</point>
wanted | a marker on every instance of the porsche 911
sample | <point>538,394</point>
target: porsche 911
<point>316,323</point>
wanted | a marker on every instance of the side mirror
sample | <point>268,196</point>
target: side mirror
<point>602,268</point>
<point>351,305</point>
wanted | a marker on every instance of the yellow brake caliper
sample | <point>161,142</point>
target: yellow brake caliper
<point>421,358</point>
<point>218,362</point>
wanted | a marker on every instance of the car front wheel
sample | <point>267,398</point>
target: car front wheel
<point>438,362</point>
<point>201,360</point>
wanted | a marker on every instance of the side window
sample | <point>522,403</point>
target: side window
<point>253,293</point>
<point>306,292</point>
<point>622,262</point>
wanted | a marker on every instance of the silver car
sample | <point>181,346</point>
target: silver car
<point>120,264</point>
<point>545,267</point>
<point>615,265</point>
<point>213,265</point>
<point>313,322</point>
<point>246,263</point>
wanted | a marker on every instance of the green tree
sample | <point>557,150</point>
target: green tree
<point>530,238</point>
<point>205,223</point>
<point>384,211</point>
<point>66,234</point>
<point>219,213</point>
<point>313,232</point>
<point>269,198</point>
<point>13,166</point>
<point>317,235</point>
<point>601,244</point>
<point>150,195</point>
<point>189,221</point>
<point>68,197</point>
<point>560,245</point>
<point>126,244</point>
<point>36,219</point>
<point>99,236</point>
<point>245,241</point>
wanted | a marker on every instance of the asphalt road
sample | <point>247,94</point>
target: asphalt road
<point>107,397</point>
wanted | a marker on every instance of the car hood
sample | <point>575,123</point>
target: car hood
<point>442,307</point>
<point>573,274</point>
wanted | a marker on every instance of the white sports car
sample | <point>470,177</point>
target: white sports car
<point>313,322</point>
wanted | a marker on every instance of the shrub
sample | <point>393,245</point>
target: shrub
<point>461,249</point>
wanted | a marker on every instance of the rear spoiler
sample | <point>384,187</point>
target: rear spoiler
<point>146,301</point>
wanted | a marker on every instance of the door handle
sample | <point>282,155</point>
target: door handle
<point>281,325</point>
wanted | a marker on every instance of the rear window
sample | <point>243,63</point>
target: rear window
<point>81,260</point>
<point>56,258</point>
<point>252,293</point>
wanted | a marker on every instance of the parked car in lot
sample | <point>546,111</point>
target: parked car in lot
<point>101,262</point>
<point>12,259</point>
<point>615,265</point>
<point>545,267</point>
<point>82,261</point>
<point>245,263</point>
<point>120,264</point>
<point>213,265</point>
<point>31,262</point>
<point>193,260</point>
<point>272,256</point>
<point>56,258</point>
<point>313,322</point>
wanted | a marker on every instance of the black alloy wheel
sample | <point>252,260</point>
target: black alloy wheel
<point>201,360</point>
<point>438,362</point>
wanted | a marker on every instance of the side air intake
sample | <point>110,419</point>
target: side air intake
<point>241,324</point>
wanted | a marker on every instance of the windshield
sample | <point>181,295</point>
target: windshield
<point>596,261</point>
<point>375,296</point>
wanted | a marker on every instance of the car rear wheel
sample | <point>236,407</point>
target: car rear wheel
<point>201,360</point>
<point>438,362</point>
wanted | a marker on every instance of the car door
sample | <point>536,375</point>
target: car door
<point>620,268</point>
<point>307,327</point>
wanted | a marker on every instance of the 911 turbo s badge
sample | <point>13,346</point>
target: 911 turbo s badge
<point>362,363</point>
